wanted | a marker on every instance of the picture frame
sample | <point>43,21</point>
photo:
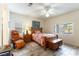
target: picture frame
<point>35,24</point>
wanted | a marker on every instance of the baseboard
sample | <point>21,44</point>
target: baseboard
<point>71,45</point>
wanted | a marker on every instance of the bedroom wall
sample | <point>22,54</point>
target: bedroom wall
<point>24,20</point>
<point>71,17</point>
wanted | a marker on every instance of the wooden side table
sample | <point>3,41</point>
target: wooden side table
<point>27,38</point>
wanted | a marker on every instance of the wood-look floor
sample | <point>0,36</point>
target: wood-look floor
<point>33,49</point>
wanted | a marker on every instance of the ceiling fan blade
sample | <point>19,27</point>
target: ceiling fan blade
<point>30,4</point>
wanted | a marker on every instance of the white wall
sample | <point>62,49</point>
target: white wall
<point>24,20</point>
<point>72,17</point>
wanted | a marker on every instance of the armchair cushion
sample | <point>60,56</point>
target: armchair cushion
<point>19,44</point>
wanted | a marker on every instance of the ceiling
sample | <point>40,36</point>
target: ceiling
<point>36,9</point>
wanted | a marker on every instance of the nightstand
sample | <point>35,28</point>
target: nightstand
<point>27,38</point>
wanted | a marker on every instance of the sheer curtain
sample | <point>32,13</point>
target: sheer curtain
<point>4,30</point>
<point>1,43</point>
<point>5,16</point>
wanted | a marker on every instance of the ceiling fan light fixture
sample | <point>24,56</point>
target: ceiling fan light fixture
<point>47,15</point>
<point>48,11</point>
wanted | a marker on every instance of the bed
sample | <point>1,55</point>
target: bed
<point>41,38</point>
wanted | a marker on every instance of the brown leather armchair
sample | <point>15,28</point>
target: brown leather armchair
<point>17,40</point>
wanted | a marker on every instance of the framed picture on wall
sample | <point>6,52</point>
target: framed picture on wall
<point>35,24</point>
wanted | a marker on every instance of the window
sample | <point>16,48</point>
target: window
<point>18,27</point>
<point>64,28</point>
<point>57,29</point>
<point>67,28</point>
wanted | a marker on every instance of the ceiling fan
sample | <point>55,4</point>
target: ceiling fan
<point>30,4</point>
<point>50,9</point>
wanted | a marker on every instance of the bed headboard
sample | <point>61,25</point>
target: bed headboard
<point>35,29</point>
